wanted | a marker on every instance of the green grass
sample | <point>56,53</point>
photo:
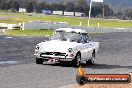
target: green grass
<point>29,32</point>
<point>34,33</point>
<point>20,17</point>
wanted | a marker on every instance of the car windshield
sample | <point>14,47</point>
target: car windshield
<point>67,36</point>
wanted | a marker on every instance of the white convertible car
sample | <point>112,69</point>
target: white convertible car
<point>67,44</point>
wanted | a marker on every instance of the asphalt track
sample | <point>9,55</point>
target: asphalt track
<point>18,68</point>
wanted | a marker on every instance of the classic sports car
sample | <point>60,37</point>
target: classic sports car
<point>67,44</point>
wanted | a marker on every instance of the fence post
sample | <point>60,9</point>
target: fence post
<point>23,26</point>
<point>98,25</point>
<point>80,24</point>
<point>88,23</point>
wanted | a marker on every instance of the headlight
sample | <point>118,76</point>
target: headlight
<point>37,47</point>
<point>70,50</point>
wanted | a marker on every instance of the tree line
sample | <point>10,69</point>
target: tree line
<point>98,9</point>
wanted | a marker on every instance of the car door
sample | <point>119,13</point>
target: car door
<point>83,51</point>
<point>87,47</point>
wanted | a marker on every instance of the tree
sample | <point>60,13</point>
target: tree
<point>2,5</point>
<point>127,14</point>
<point>107,11</point>
<point>81,6</point>
<point>29,7</point>
<point>96,11</point>
<point>86,10</point>
<point>82,3</point>
<point>14,5</point>
<point>70,7</point>
<point>58,7</point>
<point>7,6</point>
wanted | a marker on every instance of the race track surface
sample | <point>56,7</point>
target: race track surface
<point>19,70</point>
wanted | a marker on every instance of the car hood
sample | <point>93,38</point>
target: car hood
<point>57,46</point>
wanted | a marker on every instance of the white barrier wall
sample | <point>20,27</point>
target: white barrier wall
<point>79,14</point>
<point>68,13</point>
<point>3,25</point>
<point>9,26</point>
<point>57,12</point>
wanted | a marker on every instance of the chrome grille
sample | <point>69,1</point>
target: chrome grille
<point>54,53</point>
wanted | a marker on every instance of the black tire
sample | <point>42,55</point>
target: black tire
<point>81,80</point>
<point>76,61</point>
<point>39,60</point>
<point>92,60</point>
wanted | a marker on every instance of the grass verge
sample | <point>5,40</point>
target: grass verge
<point>34,33</point>
<point>74,21</point>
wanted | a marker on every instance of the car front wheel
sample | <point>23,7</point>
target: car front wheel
<point>92,60</point>
<point>76,61</point>
<point>39,60</point>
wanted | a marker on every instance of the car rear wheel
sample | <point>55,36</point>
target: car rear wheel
<point>39,60</point>
<point>76,61</point>
<point>92,60</point>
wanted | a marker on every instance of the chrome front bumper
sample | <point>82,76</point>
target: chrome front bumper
<point>47,57</point>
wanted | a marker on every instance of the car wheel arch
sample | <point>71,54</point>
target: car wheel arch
<point>93,52</point>
<point>76,60</point>
<point>79,53</point>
